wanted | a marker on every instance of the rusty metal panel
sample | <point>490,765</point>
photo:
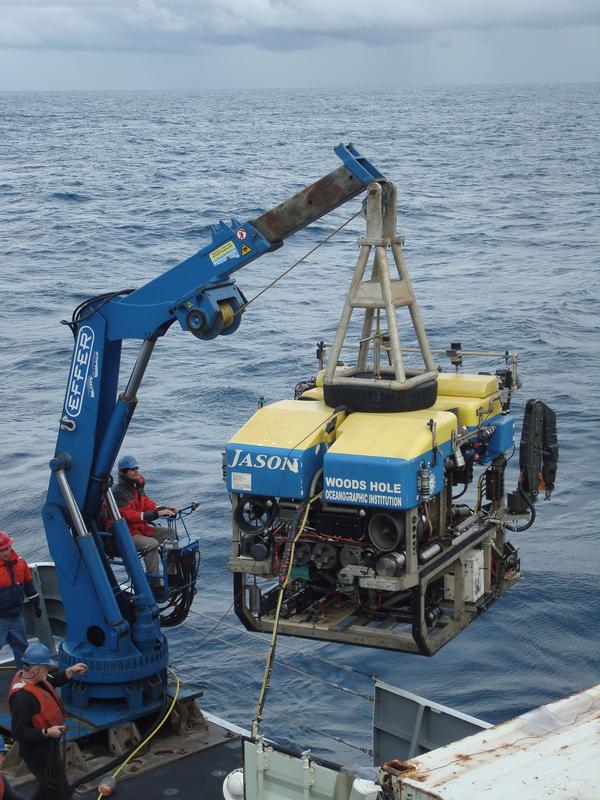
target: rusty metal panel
<point>552,751</point>
<point>308,205</point>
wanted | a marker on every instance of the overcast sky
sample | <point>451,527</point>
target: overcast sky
<point>230,44</point>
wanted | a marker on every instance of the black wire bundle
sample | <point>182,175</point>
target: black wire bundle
<point>180,602</point>
<point>92,305</point>
<point>532,512</point>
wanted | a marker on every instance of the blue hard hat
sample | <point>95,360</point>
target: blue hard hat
<point>128,462</point>
<point>3,745</point>
<point>38,655</point>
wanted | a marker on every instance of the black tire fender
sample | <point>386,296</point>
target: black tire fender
<point>382,399</point>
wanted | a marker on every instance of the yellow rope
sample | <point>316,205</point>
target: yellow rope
<point>271,653</point>
<point>152,732</point>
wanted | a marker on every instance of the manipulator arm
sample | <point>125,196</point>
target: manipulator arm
<point>538,456</point>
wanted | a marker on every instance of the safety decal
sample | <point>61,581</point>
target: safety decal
<point>80,367</point>
<point>221,254</point>
<point>241,233</point>
<point>246,249</point>
<point>241,482</point>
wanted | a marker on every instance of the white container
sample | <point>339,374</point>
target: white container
<point>362,789</point>
<point>551,752</point>
<point>473,574</point>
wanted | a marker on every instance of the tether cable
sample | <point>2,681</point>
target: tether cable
<point>152,733</point>
<point>105,768</point>
<point>293,538</point>
<point>296,263</point>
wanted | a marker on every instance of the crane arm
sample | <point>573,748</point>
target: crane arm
<point>117,633</point>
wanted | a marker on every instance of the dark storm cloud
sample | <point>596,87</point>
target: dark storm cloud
<point>274,25</point>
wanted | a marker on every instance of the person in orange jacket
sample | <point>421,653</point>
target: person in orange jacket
<point>16,585</point>
<point>139,511</point>
<point>38,720</point>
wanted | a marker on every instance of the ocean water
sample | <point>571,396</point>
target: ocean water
<point>498,193</point>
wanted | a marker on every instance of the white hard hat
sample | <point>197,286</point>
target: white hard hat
<point>233,785</point>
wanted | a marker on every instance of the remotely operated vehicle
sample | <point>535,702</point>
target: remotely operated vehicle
<point>348,522</point>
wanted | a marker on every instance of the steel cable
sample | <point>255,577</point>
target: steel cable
<point>296,263</point>
<point>291,648</point>
<point>283,665</point>
<point>281,715</point>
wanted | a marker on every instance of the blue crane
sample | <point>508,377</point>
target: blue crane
<point>117,632</point>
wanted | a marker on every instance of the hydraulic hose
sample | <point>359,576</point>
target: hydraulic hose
<point>100,771</point>
<point>532,512</point>
<point>177,610</point>
<point>121,761</point>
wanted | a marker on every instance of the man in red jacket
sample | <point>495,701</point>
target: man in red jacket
<point>16,585</point>
<point>139,511</point>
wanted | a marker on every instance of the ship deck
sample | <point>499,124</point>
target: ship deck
<point>198,776</point>
<point>188,767</point>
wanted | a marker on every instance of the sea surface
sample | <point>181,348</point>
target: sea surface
<point>498,198</point>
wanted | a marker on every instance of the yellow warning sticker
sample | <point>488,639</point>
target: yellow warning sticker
<point>246,249</point>
<point>221,254</point>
